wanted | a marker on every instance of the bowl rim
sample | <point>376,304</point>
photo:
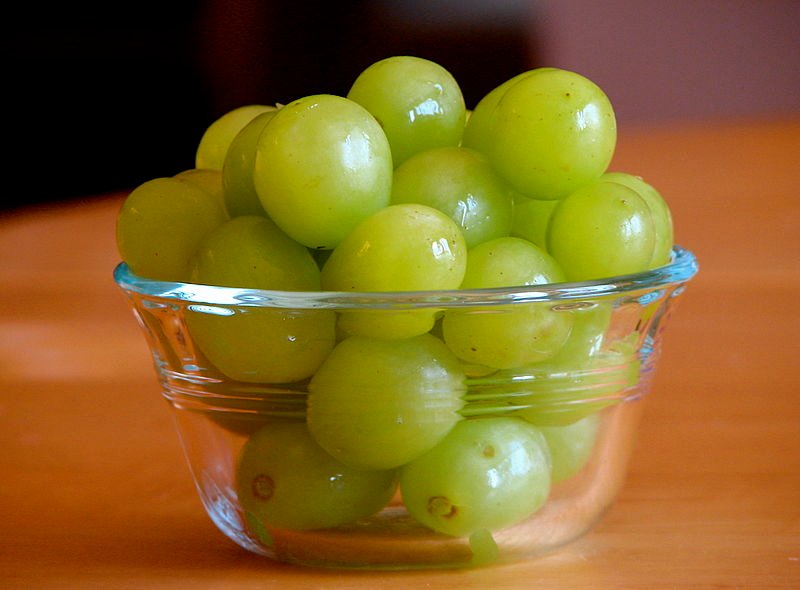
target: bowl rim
<point>682,267</point>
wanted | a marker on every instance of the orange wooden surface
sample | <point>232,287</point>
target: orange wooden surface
<point>94,490</point>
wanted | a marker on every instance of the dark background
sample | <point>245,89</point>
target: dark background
<point>101,98</point>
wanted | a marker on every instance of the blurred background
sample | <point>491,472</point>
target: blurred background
<point>104,97</point>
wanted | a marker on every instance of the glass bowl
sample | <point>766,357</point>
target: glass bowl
<point>303,453</point>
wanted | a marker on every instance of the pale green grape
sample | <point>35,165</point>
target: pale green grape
<point>250,251</point>
<point>662,217</point>
<point>405,247</point>
<point>207,179</point>
<point>507,336</point>
<point>531,219</point>
<point>562,394</point>
<point>570,446</point>
<point>560,389</point>
<point>378,404</point>
<point>417,102</point>
<point>551,132</point>
<point>554,385</point>
<point>603,229</point>
<point>589,326</point>
<point>285,480</point>
<point>259,344</point>
<point>509,262</point>
<point>322,165</point>
<point>218,136</point>
<point>386,324</point>
<point>479,123</point>
<point>161,224</point>
<point>237,169</point>
<point>460,183</point>
<point>487,474</point>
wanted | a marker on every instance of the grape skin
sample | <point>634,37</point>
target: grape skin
<point>217,137</point>
<point>378,404</point>
<point>532,219</point>
<point>405,247</point>
<point>603,229</point>
<point>206,179</point>
<point>237,168</point>
<point>322,165</point>
<point>551,132</point>
<point>487,473</point>
<point>417,102</point>
<point>161,224</point>
<point>285,480</point>
<point>562,394</point>
<point>507,336</point>
<point>479,124</point>
<point>460,183</point>
<point>659,210</point>
<point>260,344</point>
<point>570,446</point>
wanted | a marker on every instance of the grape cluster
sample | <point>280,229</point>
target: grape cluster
<point>398,187</point>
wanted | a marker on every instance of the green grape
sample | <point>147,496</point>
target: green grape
<point>218,136</point>
<point>285,480</point>
<point>590,321</point>
<point>322,165</point>
<point>603,229</point>
<point>550,391</point>
<point>208,180</point>
<point>562,394</point>
<point>386,324</point>
<point>479,123</point>
<point>551,132</point>
<point>417,102</point>
<point>531,219</point>
<point>406,247</point>
<point>262,345</point>
<point>237,169</point>
<point>161,224</point>
<point>662,217</point>
<point>378,404</point>
<point>570,446</point>
<point>509,262</point>
<point>487,474</point>
<point>259,344</point>
<point>250,251</point>
<point>507,336</point>
<point>460,183</point>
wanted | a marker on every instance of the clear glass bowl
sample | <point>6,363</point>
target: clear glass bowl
<point>601,376</point>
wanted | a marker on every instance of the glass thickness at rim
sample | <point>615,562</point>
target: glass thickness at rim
<point>681,269</point>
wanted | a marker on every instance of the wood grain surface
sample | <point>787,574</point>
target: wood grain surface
<point>94,490</point>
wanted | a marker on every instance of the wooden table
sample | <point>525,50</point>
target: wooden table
<point>94,491</point>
